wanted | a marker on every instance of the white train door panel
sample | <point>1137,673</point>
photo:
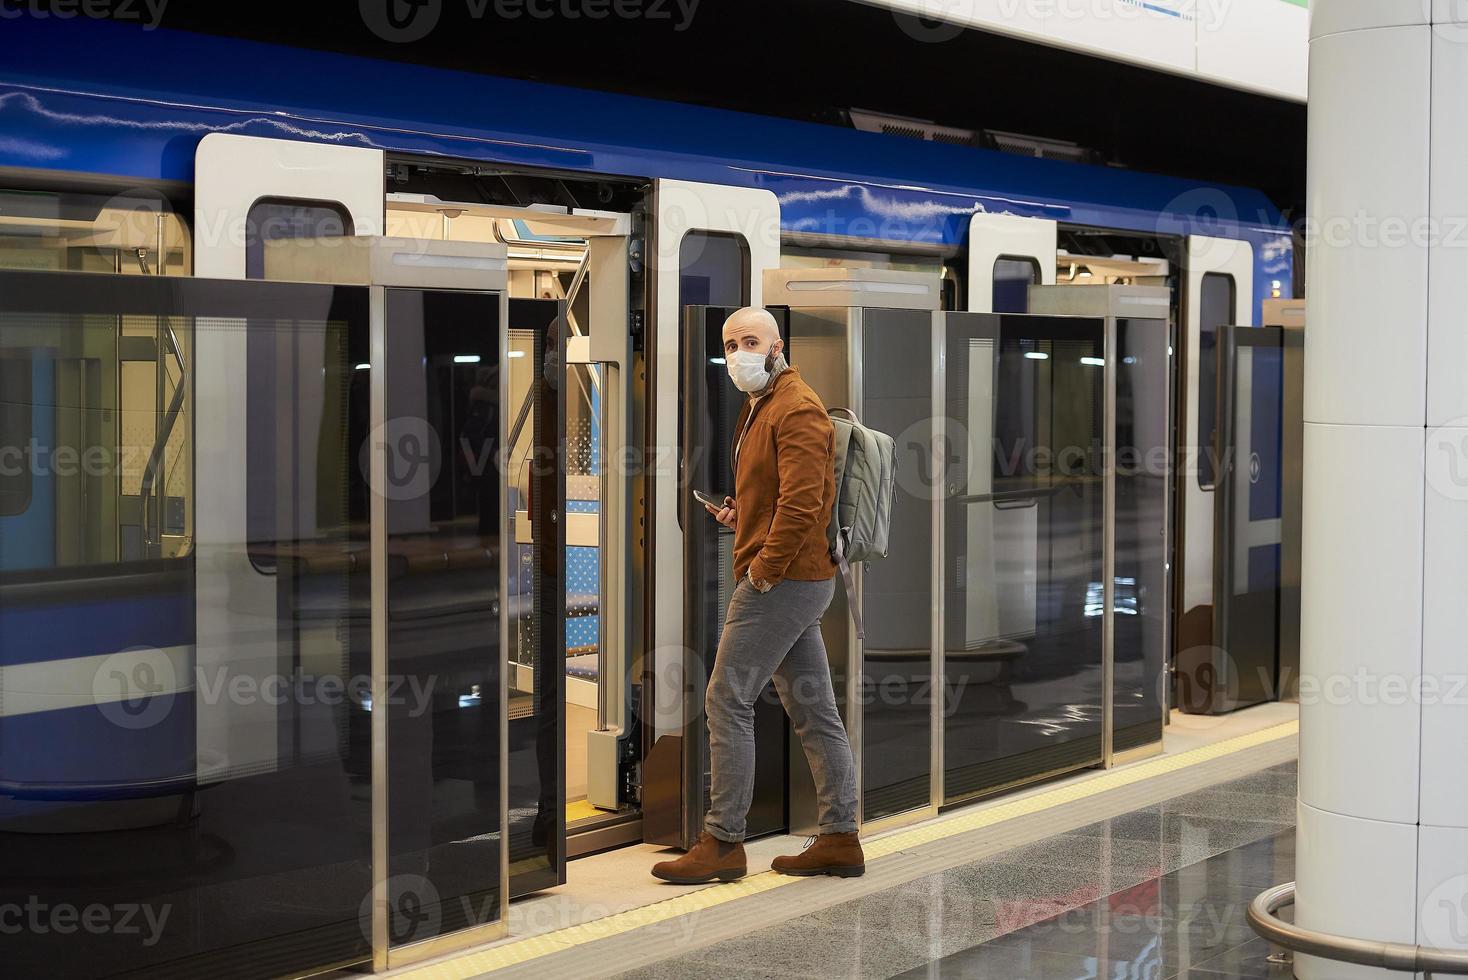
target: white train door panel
<point>1005,540</point>
<point>993,238</point>
<point>690,210</point>
<point>686,216</point>
<point>237,179</point>
<point>1214,268</point>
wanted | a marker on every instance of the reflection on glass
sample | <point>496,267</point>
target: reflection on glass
<point>897,596</point>
<point>186,742</point>
<point>1251,508</point>
<point>1143,394</point>
<point>1216,310</point>
<point>273,220</point>
<point>443,610</point>
<point>537,694</point>
<point>1023,523</point>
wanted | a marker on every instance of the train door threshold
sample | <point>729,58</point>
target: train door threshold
<point>612,917</point>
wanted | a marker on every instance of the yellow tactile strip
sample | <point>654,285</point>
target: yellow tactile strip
<point>510,953</point>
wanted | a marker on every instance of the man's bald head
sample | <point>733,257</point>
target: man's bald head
<point>754,329</point>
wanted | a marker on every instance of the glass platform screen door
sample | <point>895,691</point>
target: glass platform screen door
<point>1022,550</point>
<point>185,742</point>
<point>441,605</point>
<point>1136,589</point>
<point>866,340</point>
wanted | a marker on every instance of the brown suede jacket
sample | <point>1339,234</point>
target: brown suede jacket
<point>784,485</point>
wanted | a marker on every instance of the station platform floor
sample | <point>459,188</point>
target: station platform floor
<point>1140,871</point>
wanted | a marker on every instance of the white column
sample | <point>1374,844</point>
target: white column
<point>1383,810</point>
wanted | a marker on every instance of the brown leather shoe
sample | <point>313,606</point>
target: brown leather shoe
<point>709,859</point>
<point>828,854</point>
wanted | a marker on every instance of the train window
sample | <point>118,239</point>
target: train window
<point>1216,309</point>
<point>65,231</point>
<point>15,434</point>
<point>96,454</point>
<point>1013,277</point>
<point>713,270</point>
<point>272,219</point>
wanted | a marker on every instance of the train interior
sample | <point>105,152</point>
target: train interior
<point>1045,584</point>
<point>560,289</point>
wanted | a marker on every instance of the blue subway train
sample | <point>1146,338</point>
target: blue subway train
<point>184,580</point>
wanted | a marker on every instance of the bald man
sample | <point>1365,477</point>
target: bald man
<point>784,488</point>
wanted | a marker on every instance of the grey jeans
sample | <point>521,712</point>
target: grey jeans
<point>776,634</point>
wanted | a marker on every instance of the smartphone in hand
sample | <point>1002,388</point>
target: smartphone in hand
<point>709,500</point>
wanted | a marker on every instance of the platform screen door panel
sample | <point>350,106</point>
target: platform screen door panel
<point>1023,556</point>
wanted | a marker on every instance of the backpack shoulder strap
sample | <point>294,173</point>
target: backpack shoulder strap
<point>849,580</point>
<point>843,435</point>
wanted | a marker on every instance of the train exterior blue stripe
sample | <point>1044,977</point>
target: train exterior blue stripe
<point>83,753</point>
<point>65,631</point>
<point>69,101</point>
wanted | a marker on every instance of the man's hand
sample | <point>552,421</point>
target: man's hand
<point>724,515</point>
<point>760,585</point>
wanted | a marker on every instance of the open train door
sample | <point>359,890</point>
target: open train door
<point>1219,291</point>
<point>711,246</point>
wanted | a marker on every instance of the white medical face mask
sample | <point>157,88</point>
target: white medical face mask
<point>747,370</point>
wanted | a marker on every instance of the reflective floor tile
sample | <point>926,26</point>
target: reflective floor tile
<point>1145,947</point>
<point>1249,961</point>
<point>1238,806</point>
<point>1007,962</point>
<point>1270,782</point>
<point>1199,836</point>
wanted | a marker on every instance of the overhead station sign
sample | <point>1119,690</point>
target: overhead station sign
<point>1258,45</point>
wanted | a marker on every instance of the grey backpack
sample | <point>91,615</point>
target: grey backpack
<point>866,466</point>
